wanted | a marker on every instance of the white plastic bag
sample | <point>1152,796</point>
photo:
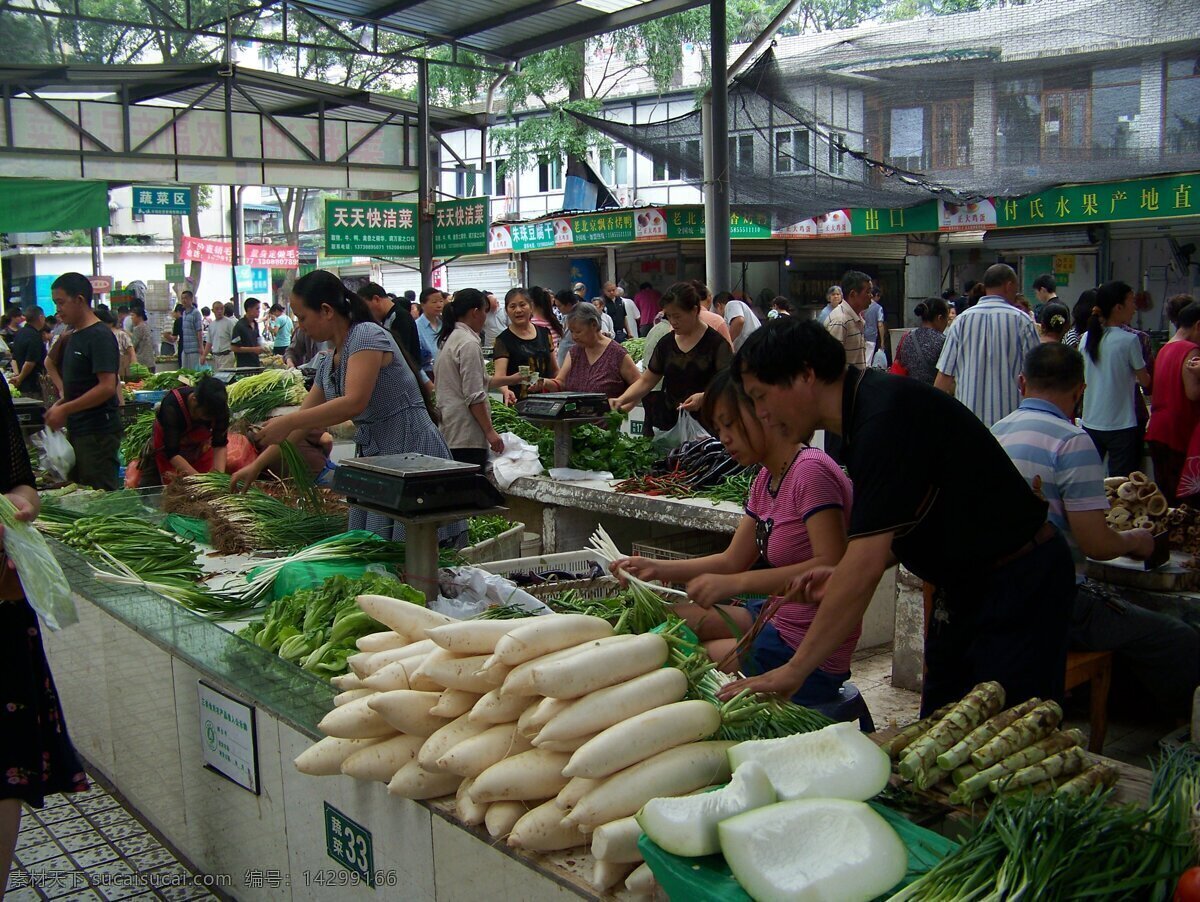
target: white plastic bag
<point>518,459</point>
<point>45,585</point>
<point>57,454</point>
<point>465,592</point>
<point>566,474</point>
<point>687,428</point>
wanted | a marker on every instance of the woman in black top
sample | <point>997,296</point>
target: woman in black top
<point>36,756</point>
<point>191,433</point>
<point>685,359</point>
<point>919,350</point>
<point>522,344</point>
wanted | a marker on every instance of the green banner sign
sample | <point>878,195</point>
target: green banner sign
<point>324,262</point>
<point>887,221</point>
<point>749,225</point>
<point>603,228</point>
<point>349,844</point>
<point>461,226</point>
<point>532,236</point>
<point>1174,195</point>
<point>684,222</point>
<point>174,272</point>
<point>370,227</point>
<point>167,201</point>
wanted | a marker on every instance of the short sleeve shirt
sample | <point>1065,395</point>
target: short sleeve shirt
<point>89,353</point>
<point>1108,402</point>
<point>750,322</point>
<point>190,323</point>
<point>283,331</point>
<point>245,335</point>
<point>1059,461</point>
<point>28,347</point>
<point>536,352</point>
<point>925,468</point>
<point>685,373</point>
<point>220,334</point>
<point>461,381</point>
<point>175,424</point>
<point>848,327</point>
<point>871,317</point>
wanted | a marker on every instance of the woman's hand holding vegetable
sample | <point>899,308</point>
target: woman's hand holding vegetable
<point>242,480</point>
<point>274,431</point>
<point>642,568</point>
<point>712,588</point>
<point>507,396</point>
<point>783,681</point>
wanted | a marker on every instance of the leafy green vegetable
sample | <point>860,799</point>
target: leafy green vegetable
<point>139,373</point>
<point>636,347</point>
<point>480,529</point>
<point>592,447</point>
<point>137,434</point>
<point>256,396</point>
<point>171,379</point>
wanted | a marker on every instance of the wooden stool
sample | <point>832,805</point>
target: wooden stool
<point>1094,667</point>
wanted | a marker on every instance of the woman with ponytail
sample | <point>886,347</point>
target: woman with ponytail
<point>920,349</point>
<point>462,381</point>
<point>364,379</point>
<point>1113,366</point>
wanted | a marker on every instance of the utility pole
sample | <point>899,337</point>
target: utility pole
<point>715,123</point>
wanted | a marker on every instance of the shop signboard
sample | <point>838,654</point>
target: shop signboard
<point>158,200</point>
<point>349,844</point>
<point>499,240</point>
<point>615,227</point>
<point>685,222</point>
<point>564,236</point>
<point>834,224</point>
<point>749,225</point>
<point>649,224</point>
<point>228,741</point>
<point>220,253</point>
<point>461,226</point>
<point>888,221</point>
<point>1152,198</point>
<point>370,227</point>
<point>532,236</point>
<point>250,279</point>
<point>174,272</point>
<point>101,284</point>
<point>968,217</point>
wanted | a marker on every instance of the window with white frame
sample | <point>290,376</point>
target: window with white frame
<point>837,153</point>
<point>550,174</point>
<point>466,181</point>
<point>793,150</point>
<point>680,161</point>
<point>614,165</point>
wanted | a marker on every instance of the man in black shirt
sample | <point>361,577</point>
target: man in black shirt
<point>246,342</point>
<point>29,354</point>
<point>89,373</point>
<point>934,491</point>
<point>389,315</point>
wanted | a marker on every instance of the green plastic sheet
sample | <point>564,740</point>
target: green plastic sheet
<point>47,205</point>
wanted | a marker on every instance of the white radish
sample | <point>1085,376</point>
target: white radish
<point>380,641</point>
<point>455,703</point>
<point>575,790</point>
<point>501,816</point>
<point>546,710</point>
<point>355,720</point>
<point>473,756</point>
<point>601,709</point>
<point>643,736</point>
<point>324,758</point>
<point>543,635</point>
<point>535,774</point>
<point>378,660</point>
<point>408,711</point>
<point>404,617</point>
<point>414,782</point>
<point>641,882</point>
<point>380,762</point>
<point>472,637</point>
<point>595,668</point>
<point>531,705</point>
<point>617,841</point>
<point>459,673</point>
<point>445,739</point>
<point>468,810</point>
<point>394,676</point>
<point>563,745</point>
<point>671,773</point>
<point>346,682</point>
<point>358,663</point>
<point>607,874</point>
<point>542,830</point>
<point>494,708</point>
<point>418,680</point>
<point>350,695</point>
<point>519,681</point>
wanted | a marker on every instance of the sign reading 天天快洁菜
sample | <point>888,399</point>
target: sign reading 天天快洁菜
<point>162,200</point>
<point>370,227</point>
<point>227,737</point>
<point>1152,198</point>
<point>461,227</point>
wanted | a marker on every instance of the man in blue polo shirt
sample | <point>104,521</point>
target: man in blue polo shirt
<point>1061,463</point>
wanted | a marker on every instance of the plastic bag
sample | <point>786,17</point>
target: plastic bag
<point>45,584</point>
<point>518,459</point>
<point>566,474</point>
<point>57,454</point>
<point>465,592</point>
<point>686,429</point>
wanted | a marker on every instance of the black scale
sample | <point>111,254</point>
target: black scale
<point>233,375</point>
<point>30,412</point>
<point>564,405</point>
<point>414,485</point>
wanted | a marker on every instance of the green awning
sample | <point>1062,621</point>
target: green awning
<point>46,205</point>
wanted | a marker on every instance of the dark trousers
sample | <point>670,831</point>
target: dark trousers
<point>97,460</point>
<point>1159,651</point>
<point>1168,468</point>
<point>478,456</point>
<point>1008,625</point>
<point>1122,447</point>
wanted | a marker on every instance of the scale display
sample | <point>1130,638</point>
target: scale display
<point>565,405</point>
<point>410,485</point>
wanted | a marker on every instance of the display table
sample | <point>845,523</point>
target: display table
<point>130,677</point>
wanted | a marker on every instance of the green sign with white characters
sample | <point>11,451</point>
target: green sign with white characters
<point>349,844</point>
<point>1153,198</point>
<point>461,227</point>
<point>370,227</point>
<point>603,228</point>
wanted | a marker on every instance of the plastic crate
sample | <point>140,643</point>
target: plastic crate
<point>503,546</point>
<point>150,397</point>
<point>681,546</point>
<point>579,569</point>
<point>132,410</point>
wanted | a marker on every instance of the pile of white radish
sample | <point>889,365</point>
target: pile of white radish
<point>551,732</point>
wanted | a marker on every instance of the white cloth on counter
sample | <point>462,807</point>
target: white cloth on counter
<point>568,474</point>
<point>518,459</point>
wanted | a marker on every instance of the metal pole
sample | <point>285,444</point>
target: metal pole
<point>717,248</point>
<point>97,251</point>
<point>234,247</point>
<point>424,188</point>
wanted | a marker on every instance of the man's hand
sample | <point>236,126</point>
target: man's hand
<point>56,417</point>
<point>1140,543</point>
<point>25,514</point>
<point>710,589</point>
<point>783,681</point>
<point>495,442</point>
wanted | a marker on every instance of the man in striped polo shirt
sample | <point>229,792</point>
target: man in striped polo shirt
<point>1061,463</point>
<point>846,323</point>
<point>985,347</point>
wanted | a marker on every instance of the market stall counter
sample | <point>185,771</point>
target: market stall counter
<point>198,728</point>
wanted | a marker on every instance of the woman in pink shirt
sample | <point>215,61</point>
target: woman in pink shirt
<point>796,518</point>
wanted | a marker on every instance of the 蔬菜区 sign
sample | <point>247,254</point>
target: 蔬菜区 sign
<point>166,201</point>
<point>461,227</point>
<point>370,227</point>
<point>227,737</point>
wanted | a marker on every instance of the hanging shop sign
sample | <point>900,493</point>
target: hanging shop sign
<point>154,200</point>
<point>349,844</point>
<point>220,253</point>
<point>604,228</point>
<point>251,279</point>
<point>371,227</point>
<point>532,236</point>
<point>461,227</point>
<point>101,284</point>
<point>1153,198</point>
<point>887,221</point>
<point>228,741</point>
<point>174,272</point>
<point>969,217</point>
